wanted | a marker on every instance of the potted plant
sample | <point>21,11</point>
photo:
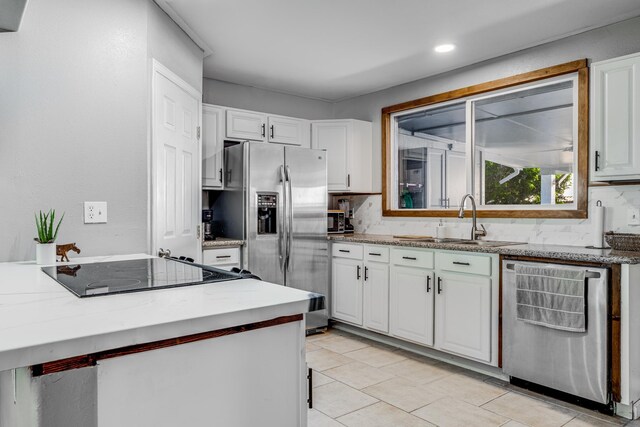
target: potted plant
<point>46,247</point>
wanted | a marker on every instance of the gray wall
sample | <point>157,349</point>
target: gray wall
<point>250,98</point>
<point>603,43</point>
<point>75,92</point>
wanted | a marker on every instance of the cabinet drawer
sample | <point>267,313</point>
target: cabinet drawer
<point>221,256</point>
<point>342,250</point>
<point>412,258</point>
<point>464,263</point>
<point>376,253</point>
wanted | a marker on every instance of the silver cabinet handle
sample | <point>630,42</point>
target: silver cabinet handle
<point>220,175</point>
<point>439,285</point>
<point>597,160</point>
<point>264,132</point>
<point>344,250</point>
<point>358,273</point>
<point>271,128</point>
<point>223,256</point>
<point>348,180</point>
<point>410,258</point>
<point>428,283</point>
<point>374,254</point>
<point>366,273</point>
<point>460,263</point>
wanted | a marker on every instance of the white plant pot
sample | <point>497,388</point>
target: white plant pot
<point>45,253</point>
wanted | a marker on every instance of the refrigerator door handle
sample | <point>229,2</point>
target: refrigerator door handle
<point>290,218</point>
<point>281,234</point>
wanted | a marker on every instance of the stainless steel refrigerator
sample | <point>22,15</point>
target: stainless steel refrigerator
<point>275,199</point>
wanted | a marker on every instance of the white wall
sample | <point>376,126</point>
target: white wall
<point>74,110</point>
<point>603,43</point>
<point>250,98</point>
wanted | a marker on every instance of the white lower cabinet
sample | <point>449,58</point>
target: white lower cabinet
<point>447,300</point>
<point>347,290</point>
<point>463,315</point>
<point>360,286</point>
<point>411,304</point>
<point>376,296</point>
<point>223,258</point>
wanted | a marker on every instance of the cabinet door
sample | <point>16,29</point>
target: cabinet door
<point>347,290</point>
<point>463,315</point>
<point>376,296</point>
<point>615,119</point>
<point>285,130</point>
<point>212,146</point>
<point>411,304</point>
<point>246,125</point>
<point>333,137</point>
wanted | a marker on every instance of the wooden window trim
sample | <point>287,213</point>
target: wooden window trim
<point>580,67</point>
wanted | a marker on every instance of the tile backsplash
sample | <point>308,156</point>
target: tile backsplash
<point>576,232</point>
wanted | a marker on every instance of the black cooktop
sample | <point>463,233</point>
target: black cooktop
<point>115,277</point>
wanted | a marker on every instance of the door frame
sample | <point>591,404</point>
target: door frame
<point>157,68</point>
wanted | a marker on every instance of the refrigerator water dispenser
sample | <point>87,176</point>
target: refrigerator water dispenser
<point>267,213</point>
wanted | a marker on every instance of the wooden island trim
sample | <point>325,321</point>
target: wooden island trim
<point>87,360</point>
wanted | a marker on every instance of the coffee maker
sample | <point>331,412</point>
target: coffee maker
<point>208,224</point>
<point>344,205</point>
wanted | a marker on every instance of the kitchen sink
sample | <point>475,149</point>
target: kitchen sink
<point>433,240</point>
<point>489,243</point>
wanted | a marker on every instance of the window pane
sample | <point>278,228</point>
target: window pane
<point>524,146</point>
<point>430,153</point>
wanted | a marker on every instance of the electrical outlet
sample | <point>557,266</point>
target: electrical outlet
<point>633,216</point>
<point>95,212</point>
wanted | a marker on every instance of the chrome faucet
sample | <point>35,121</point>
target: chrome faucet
<point>475,232</point>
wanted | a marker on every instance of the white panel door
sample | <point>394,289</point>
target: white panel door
<point>456,179</point>
<point>212,145</point>
<point>333,137</point>
<point>411,304</point>
<point>246,125</point>
<point>285,130</point>
<point>346,299</point>
<point>463,315</point>
<point>615,119</point>
<point>176,166</point>
<point>435,178</point>
<point>376,297</point>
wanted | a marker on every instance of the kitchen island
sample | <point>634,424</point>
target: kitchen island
<point>228,353</point>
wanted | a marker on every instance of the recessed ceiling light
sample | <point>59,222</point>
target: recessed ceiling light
<point>444,48</point>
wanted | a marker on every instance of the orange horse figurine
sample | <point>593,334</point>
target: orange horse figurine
<point>61,250</point>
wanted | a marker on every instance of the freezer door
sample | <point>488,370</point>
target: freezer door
<point>264,168</point>
<point>308,261</point>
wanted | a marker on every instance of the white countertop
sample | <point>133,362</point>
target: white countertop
<point>41,321</point>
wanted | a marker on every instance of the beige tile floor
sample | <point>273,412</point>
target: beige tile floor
<point>358,382</point>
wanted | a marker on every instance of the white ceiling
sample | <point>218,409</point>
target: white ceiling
<point>337,49</point>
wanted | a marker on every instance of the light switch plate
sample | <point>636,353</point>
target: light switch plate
<point>633,216</point>
<point>95,212</point>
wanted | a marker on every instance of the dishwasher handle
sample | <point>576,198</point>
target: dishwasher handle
<point>588,274</point>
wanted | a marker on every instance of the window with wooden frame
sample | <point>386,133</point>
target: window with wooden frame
<point>518,144</point>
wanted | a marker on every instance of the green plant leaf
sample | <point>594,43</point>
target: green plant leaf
<point>55,235</point>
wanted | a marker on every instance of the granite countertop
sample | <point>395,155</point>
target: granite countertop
<point>41,321</point>
<point>570,253</point>
<point>221,242</point>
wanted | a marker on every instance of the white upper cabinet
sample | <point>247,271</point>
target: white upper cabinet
<point>287,130</point>
<point>245,125</point>
<point>212,145</point>
<point>255,126</point>
<point>615,119</point>
<point>349,155</point>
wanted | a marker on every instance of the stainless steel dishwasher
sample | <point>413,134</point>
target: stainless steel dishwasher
<point>574,360</point>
